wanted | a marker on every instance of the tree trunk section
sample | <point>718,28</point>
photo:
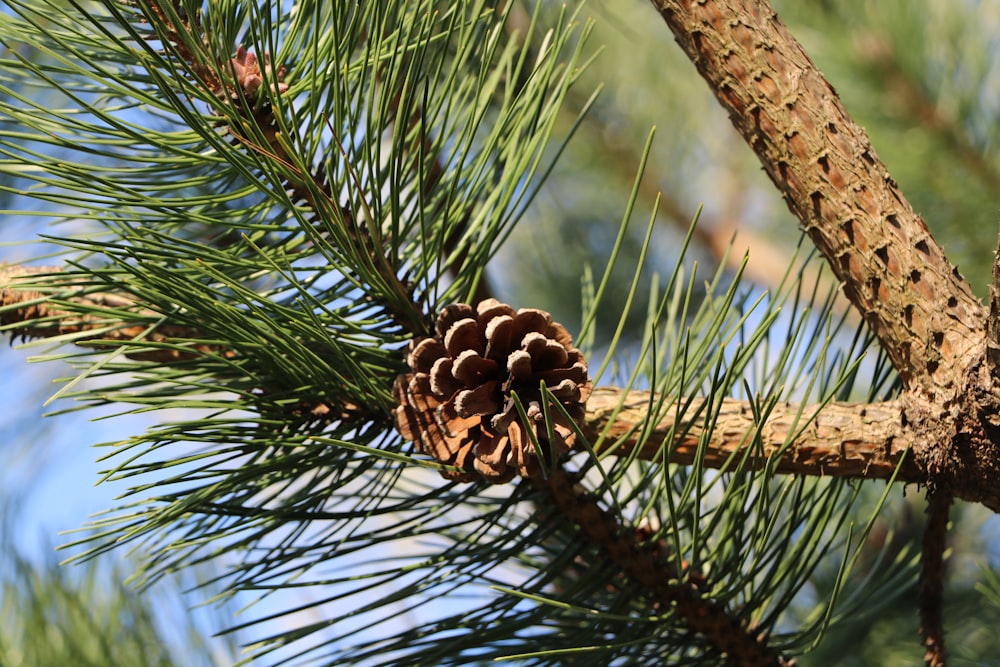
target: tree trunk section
<point>922,311</point>
<point>895,274</point>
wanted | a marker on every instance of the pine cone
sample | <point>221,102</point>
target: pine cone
<point>458,405</point>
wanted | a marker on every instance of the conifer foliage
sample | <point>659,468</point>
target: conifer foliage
<point>271,228</point>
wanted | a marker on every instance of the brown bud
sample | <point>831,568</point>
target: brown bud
<point>249,75</point>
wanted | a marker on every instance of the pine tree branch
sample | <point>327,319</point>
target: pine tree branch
<point>854,440</point>
<point>236,81</point>
<point>251,86</point>
<point>47,305</point>
<point>725,631</point>
<point>922,311</point>
<point>895,274</point>
<point>861,441</point>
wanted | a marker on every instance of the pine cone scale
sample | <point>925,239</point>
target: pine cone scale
<point>479,401</point>
<point>463,336</point>
<point>470,369</point>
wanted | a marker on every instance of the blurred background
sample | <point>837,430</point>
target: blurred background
<point>922,76</point>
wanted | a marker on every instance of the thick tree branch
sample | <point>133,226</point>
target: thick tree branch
<point>921,309</point>
<point>923,312</point>
<point>862,441</point>
<point>841,440</point>
<point>892,270</point>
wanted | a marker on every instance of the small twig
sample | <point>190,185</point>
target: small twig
<point>931,587</point>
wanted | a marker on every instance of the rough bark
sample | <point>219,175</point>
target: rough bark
<point>856,440</point>
<point>892,270</point>
<point>822,162</point>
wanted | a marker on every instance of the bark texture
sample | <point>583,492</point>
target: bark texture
<point>855,440</point>
<point>892,270</point>
<point>822,162</point>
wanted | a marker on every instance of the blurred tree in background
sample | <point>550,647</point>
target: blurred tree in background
<point>181,197</point>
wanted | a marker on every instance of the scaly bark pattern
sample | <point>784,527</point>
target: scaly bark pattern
<point>822,162</point>
<point>855,440</point>
<point>923,312</point>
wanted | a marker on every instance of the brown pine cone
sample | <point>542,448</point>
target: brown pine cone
<point>458,407</point>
